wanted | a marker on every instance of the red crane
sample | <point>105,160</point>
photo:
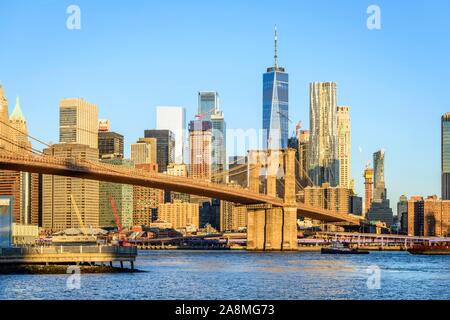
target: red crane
<point>200,116</point>
<point>122,239</point>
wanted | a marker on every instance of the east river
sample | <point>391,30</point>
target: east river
<point>248,275</point>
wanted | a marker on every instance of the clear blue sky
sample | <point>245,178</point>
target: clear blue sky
<point>131,56</point>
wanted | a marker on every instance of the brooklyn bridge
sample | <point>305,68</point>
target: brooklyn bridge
<point>271,219</point>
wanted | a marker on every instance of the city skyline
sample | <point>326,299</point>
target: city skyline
<point>368,107</point>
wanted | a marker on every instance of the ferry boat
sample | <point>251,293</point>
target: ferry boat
<point>431,249</point>
<point>339,248</point>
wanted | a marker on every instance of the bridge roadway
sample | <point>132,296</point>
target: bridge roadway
<point>79,168</point>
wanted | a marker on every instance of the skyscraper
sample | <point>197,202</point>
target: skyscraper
<point>78,122</point>
<point>23,186</point>
<point>380,209</point>
<point>208,103</point>
<point>378,181</point>
<point>61,196</point>
<point>323,155</point>
<point>110,144</point>
<point>66,201</point>
<point>368,186</point>
<point>343,132</point>
<point>402,213</point>
<point>218,147</point>
<point>445,156</point>
<point>173,119</point>
<point>275,105</point>
<point>144,151</point>
<point>29,182</point>
<point>122,194</point>
<point>303,153</point>
<point>165,147</point>
<point>200,137</point>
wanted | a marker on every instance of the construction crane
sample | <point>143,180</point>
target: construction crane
<point>122,238</point>
<point>199,116</point>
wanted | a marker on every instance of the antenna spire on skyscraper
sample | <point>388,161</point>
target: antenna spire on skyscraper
<point>276,48</point>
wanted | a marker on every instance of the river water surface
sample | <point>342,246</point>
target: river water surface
<point>248,275</point>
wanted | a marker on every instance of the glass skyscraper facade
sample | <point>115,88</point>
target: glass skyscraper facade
<point>208,103</point>
<point>218,148</point>
<point>445,156</point>
<point>275,106</point>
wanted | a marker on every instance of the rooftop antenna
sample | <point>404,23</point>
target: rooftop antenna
<point>276,48</point>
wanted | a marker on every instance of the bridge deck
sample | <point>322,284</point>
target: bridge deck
<point>110,173</point>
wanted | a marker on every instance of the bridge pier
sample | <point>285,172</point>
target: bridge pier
<point>271,228</point>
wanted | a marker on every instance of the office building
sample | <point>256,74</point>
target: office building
<point>110,144</point>
<point>327,197</point>
<point>165,147</point>
<point>323,139</point>
<point>70,202</point>
<point>402,213</point>
<point>275,105</point>
<point>22,186</point>
<point>178,170</point>
<point>122,195</point>
<point>179,214</point>
<point>218,147</point>
<point>144,151</point>
<point>78,122</point>
<point>380,209</point>
<point>145,200</point>
<point>368,187</point>
<point>445,156</point>
<point>208,104</point>
<point>200,143</point>
<point>355,205</point>
<point>344,143</point>
<point>303,160</point>
<point>173,119</point>
<point>428,217</point>
<point>210,213</point>
<point>233,217</point>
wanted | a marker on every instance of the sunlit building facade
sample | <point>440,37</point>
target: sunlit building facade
<point>344,144</point>
<point>323,140</point>
<point>78,122</point>
<point>173,119</point>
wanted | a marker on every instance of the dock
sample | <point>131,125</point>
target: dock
<point>46,255</point>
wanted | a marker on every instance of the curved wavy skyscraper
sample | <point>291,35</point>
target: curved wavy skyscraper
<point>275,105</point>
<point>323,153</point>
